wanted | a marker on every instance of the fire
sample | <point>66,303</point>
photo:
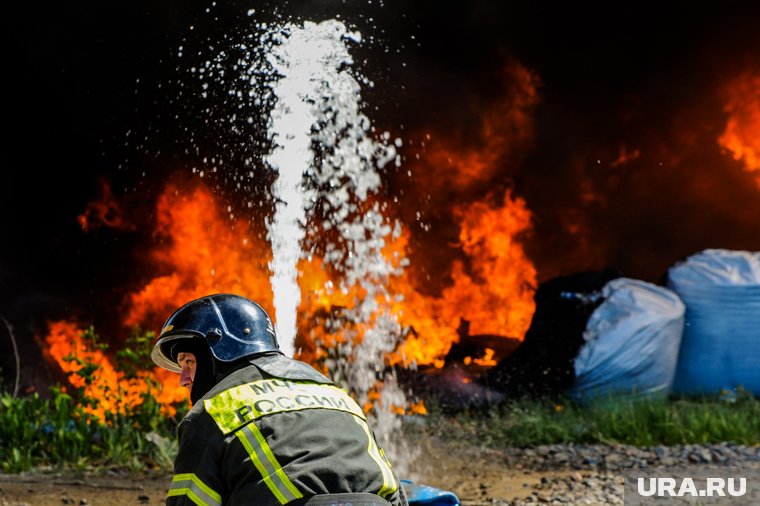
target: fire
<point>497,295</point>
<point>493,290</point>
<point>201,250</point>
<point>90,369</point>
<point>626,156</point>
<point>487,360</point>
<point>742,134</point>
<point>492,281</point>
<point>105,211</point>
<point>506,129</point>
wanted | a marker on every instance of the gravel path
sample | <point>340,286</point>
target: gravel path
<point>620,457</point>
<point>562,474</point>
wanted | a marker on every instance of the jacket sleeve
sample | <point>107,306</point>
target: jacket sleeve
<point>196,479</point>
<point>399,498</point>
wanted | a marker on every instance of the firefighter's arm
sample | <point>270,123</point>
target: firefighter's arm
<point>398,498</point>
<point>196,477</point>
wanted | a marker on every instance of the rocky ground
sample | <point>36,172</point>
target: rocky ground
<point>556,474</point>
<point>561,474</point>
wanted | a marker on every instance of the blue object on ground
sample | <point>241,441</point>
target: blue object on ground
<point>721,342</point>
<point>428,496</point>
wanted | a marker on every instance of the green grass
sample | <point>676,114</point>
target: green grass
<point>58,432</point>
<point>640,422</point>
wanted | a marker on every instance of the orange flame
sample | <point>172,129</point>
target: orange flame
<point>626,156</point>
<point>105,211</point>
<point>498,297</point>
<point>201,251</point>
<point>742,134</point>
<point>91,370</point>
<point>495,294</point>
<point>506,129</point>
<point>487,360</point>
<point>493,286</point>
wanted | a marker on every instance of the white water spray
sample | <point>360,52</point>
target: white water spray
<point>317,103</point>
<point>291,121</point>
<point>327,157</point>
<point>317,100</point>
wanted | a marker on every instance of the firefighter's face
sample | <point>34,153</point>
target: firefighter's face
<point>187,362</point>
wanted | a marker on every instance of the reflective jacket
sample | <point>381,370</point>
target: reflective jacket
<point>274,432</point>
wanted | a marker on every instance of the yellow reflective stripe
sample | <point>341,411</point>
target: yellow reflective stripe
<point>242,404</point>
<point>193,487</point>
<point>389,481</point>
<point>266,463</point>
<point>190,495</point>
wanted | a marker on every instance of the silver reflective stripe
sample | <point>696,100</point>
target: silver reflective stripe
<point>266,463</point>
<point>190,485</point>
<point>389,481</point>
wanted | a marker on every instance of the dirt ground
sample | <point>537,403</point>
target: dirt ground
<point>55,490</point>
<point>476,475</point>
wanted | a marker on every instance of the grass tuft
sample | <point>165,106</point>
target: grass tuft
<point>633,421</point>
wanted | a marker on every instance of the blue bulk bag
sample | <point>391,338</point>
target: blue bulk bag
<point>631,342</point>
<point>721,342</point>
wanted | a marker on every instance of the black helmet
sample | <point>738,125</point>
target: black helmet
<point>232,326</point>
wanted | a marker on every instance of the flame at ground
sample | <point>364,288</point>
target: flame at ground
<point>742,134</point>
<point>492,286</point>
<point>493,290</point>
<point>498,296</point>
<point>201,252</point>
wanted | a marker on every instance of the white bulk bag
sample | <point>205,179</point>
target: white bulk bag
<point>631,341</point>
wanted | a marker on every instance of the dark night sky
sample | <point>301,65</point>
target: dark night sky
<point>71,71</point>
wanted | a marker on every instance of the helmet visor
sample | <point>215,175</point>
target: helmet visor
<point>163,355</point>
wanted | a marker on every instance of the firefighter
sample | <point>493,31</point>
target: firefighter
<point>264,429</point>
